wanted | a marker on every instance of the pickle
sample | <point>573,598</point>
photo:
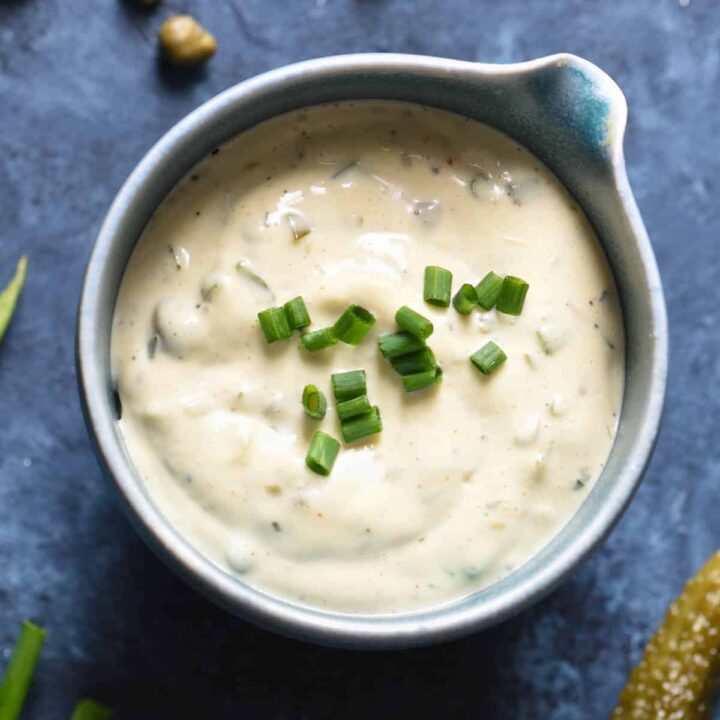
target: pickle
<point>680,669</point>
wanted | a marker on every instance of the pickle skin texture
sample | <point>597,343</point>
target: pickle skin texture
<point>680,669</point>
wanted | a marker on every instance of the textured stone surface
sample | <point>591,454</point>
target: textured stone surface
<point>81,98</point>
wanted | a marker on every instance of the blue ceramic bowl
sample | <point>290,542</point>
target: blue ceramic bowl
<point>563,109</point>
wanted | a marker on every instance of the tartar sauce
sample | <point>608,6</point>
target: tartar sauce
<point>343,204</point>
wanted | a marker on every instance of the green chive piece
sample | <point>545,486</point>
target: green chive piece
<point>465,299</point>
<point>415,362</point>
<point>438,286</point>
<point>418,381</point>
<point>348,385</point>
<point>414,323</point>
<point>322,453</point>
<point>274,324</point>
<point>20,670</point>
<point>488,289</point>
<point>351,408</point>
<point>9,296</point>
<point>488,358</point>
<point>314,402</point>
<point>354,324</point>
<point>362,426</point>
<point>400,343</point>
<point>512,295</point>
<point>90,710</point>
<point>297,314</point>
<point>319,339</point>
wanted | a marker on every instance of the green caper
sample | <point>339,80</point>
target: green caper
<point>184,41</point>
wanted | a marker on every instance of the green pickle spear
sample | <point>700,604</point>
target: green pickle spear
<point>9,296</point>
<point>680,669</point>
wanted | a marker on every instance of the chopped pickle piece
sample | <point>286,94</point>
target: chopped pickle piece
<point>680,669</point>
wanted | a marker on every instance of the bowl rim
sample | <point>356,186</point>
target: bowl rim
<point>333,628</point>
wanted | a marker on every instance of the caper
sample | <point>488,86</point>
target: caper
<point>184,41</point>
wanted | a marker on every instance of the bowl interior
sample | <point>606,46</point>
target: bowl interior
<point>562,109</point>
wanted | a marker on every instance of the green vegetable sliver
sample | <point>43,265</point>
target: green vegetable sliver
<point>318,339</point>
<point>465,299</point>
<point>314,402</point>
<point>512,295</point>
<point>414,362</point>
<point>488,289</point>
<point>362,426</point>
<point>393,345</point>
<point>351,408</point>
<point>9,296</point>
<point>438,286</point>
<point>413,322</point>
<point>348,385</point>
<point>90,710</point>
<point>421,380</point>
<point>488,358</point>
<point>20,670</point>
<point>322,453</point>
<point>353,325</point>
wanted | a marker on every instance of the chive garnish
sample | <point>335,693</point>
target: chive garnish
<point>362,426</point>
<point>413,322</point>
<point>465,299</point>
<point>415,362</point>
<point>512,295</point>
<point>418,381</point>
<point>297,314</point>
<point>400,343</point>
<point>322,453</point>
<point>314,402</point>
<point>348,385</point>
<point>351,408</point>
<point>438,286</point>
<point>90,710</point>
<point>354,324</point>
<point>488,289</point>
<point>488,358</point>
<point>319,339</point>
<point>20,669</point>
<point>274,324</point>
<point>9,296</point>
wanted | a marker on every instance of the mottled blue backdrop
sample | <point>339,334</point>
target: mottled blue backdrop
<point>81,98</point>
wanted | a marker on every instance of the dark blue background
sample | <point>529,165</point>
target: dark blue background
<point>82,97</point>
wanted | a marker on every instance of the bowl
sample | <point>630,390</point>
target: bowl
<point>562,108</point>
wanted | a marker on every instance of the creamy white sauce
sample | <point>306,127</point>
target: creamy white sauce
<point>467,480</point>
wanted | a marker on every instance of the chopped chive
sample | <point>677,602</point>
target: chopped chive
<point>488,358</point>
<point>362,426</point>
<point>512,295</point>
<point>414,362</point>
<point>354,324</point>
<point>418,381</point>
<point>488,289</point>
<point>465,299</point>
<point>90,710</point>
<point>314,402</point>
<point>438,286</point>
<point>400,343</point>
<point>9,296</point>
<point>413,322</point>
<point>20,670</point>
<point>350,408</point>
<point>322,453</point>
<point>274,324</point>
<point>297,314</point>
<point>348,385</point>
<point>319,339</point>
